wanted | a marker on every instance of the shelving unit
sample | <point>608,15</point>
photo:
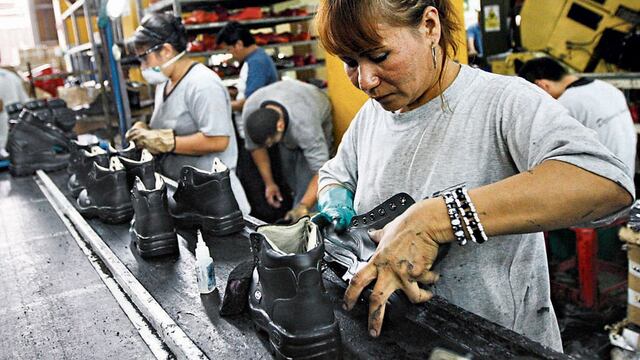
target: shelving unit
<point>252,24</point>
<point>86,57</point>
<point>268,46</point>
<point>81,59</point>
<point>180,7</point>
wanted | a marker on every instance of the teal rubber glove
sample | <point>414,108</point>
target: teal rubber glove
<point>336,206</point>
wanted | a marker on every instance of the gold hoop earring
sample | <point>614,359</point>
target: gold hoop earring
<point>433,56</point>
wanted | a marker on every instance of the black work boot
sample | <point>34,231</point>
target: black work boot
<point>34,144</point>
<point>287,298</point>
<point>142,167</point>
<point>152,227</point>
<point>106,195</point>
<point>205,200</point>
<point>63,117</point>
<point>130,152</point>
<point>350,250</point>
<point>13,112</point>
<point>80,178</point>
<point>76,155</point>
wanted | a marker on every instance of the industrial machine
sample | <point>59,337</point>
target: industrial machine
<point>587,35</point>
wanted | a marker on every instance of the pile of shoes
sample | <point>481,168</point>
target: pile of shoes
<point>287,298</point>
<point>291,12</point>
<point>202,42</point>
<point>281,38</point>
<point>220,14</point>
<point>248,13</point>
<point>294,61</point>
<point>40,136</point>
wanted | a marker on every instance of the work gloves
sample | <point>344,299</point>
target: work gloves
<point>336,206</point>
<point>157,141</point>
<point>296,213</point>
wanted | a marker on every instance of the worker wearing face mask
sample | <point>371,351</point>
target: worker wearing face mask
<point>191,122</point>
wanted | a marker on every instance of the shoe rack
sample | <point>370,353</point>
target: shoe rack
<point>292,48</point>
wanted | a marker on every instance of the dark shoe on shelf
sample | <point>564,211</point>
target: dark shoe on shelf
<point>152,227</point>
<point>34,143</point>
<point>106,195</point>
<point>205,200</point>
<point>80,178</point>
<point>143,168</point>
<point>287,298</point>
<point>349,251</point>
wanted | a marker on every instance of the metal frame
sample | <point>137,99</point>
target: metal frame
<point>74,52</point>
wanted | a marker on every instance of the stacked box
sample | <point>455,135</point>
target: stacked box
<point>41,55</point>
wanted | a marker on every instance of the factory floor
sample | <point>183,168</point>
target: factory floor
<point>54,304</point>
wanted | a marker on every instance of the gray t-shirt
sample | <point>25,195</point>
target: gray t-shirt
<point>198,103</point>
<point>310,128</point>
<point>493,127</point>
<point>603,108</point>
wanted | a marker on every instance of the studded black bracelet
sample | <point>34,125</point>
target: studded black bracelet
<point>469,215</point>
<point>454,218</point>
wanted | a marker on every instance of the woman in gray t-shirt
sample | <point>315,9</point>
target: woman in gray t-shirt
<point>431,124</point>
<point>191,121</point>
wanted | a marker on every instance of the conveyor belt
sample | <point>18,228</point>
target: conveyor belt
<point>53,304</point>
<point>171,281</point>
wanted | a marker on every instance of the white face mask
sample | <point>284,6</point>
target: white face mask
<point>155,76</point>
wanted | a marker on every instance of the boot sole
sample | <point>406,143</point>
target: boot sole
<point>107,215</point>
<point>30,169</point>
<point>225,225</point>
<point>75,191</point>
<point>323,344</point>
<point>157,245</point>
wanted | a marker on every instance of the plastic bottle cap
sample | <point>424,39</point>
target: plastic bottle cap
<point>202,251</point>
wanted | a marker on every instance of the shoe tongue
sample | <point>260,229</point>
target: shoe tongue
<point>298,238</point>
<point>218,166</point>
<point>115,164</point>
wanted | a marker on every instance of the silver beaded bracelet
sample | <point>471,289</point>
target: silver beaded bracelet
<point>469,215</point>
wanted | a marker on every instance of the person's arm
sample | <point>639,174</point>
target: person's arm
<point>237,105</point>
<point>550,196</point>
<point>263,163</point>
<point>311,195</point>
<point>305,205</point>
<point>200,144</point>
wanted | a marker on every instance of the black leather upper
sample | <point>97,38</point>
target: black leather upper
<point>105,188</point>
<point>356,238</point>
<point>290,287</point>
<point>151,211</point>
<point>205,193</point>
<point>143,170</point>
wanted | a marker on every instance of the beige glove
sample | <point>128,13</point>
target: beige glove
<point>137,125</point>
<point>157,141</point>
<point>297,212</point>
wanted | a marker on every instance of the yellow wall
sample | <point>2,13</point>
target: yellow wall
<point>347,99</point>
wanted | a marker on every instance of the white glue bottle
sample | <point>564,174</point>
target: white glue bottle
<point>204,267</point>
